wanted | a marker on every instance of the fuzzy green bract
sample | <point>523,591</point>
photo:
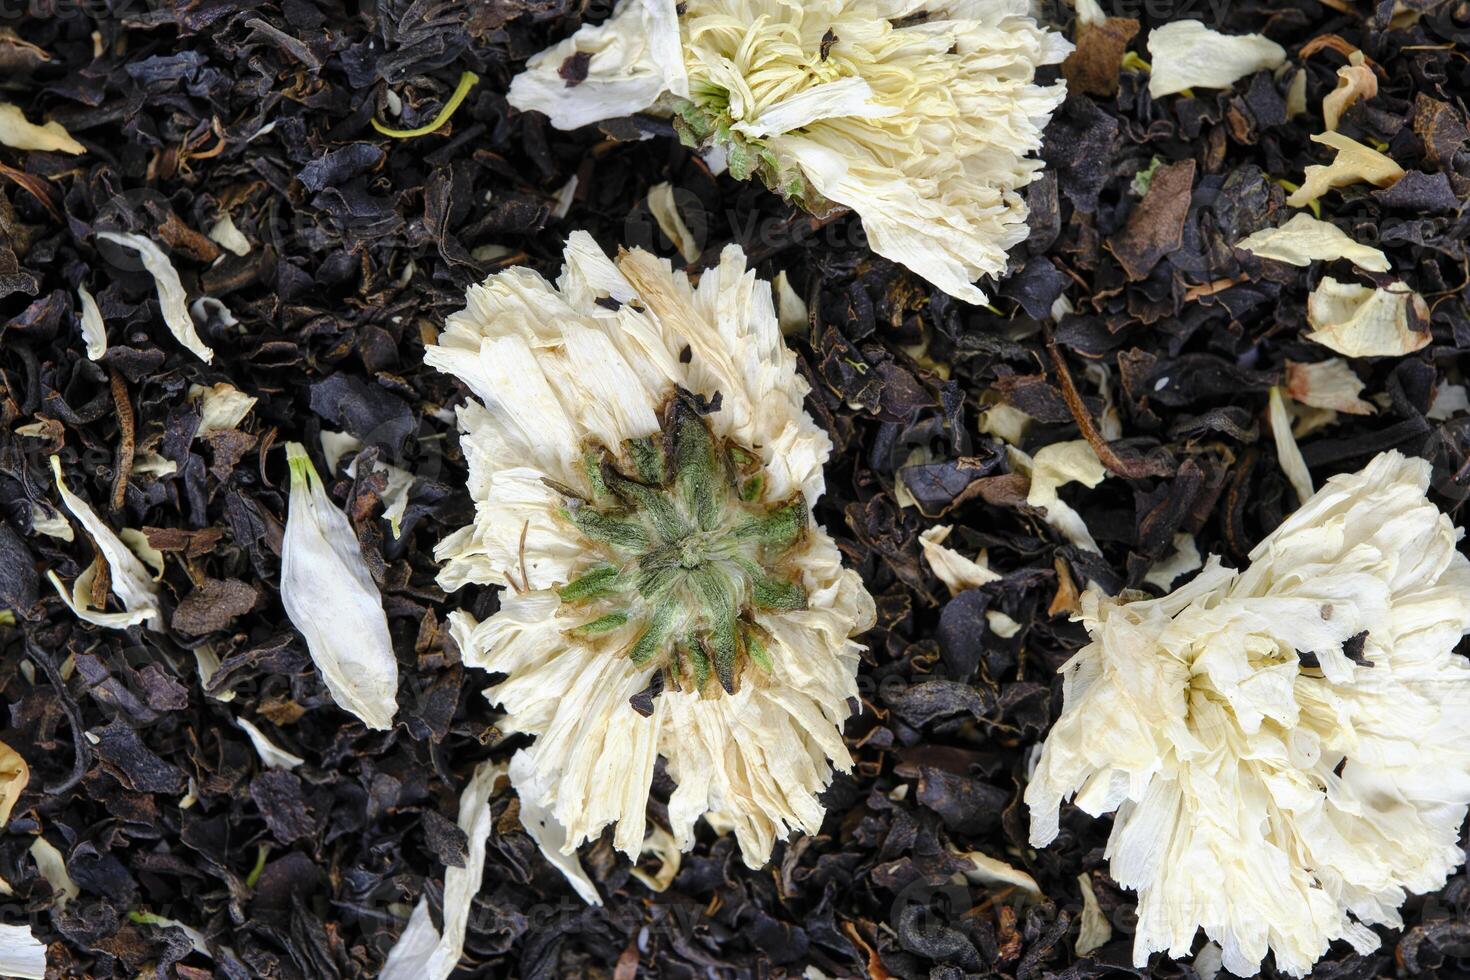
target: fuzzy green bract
<point>683,553</point>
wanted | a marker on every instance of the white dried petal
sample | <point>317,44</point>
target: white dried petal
<point>1355,80</point>
<point>1304,240</point>
<point>139,545</point>
<point>20,134</point>
<point>1283,744</point>
<point>271,755</point>
<point>1449,401</point>
<point>1185,558</point>
<point>548,833</point>
<point>666,213</point>
<point>94,331</point>
<point>1095,930</point>
<point>1353,164</point>
<point>1054,467</point>
<point>1328,384</point>
<point>224,234</point>
<point>52,867</point>
<point>222,407</point>
<point>335,445</point>
<point>1288,453</point>
<point>957,572</point>
<point>1187,54</point>
<point>172,300</point>
<point>422,952</point>
<point>790,308</point>
<point>991,872</point>
<point>131,582</point>
<point>331,599</point>
<point>1363,321</point>
<point>47,521</point>
<point>661,844</point>
<point>22,955</point>
<point>631,59</point>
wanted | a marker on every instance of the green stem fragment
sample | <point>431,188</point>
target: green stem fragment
<point>467,81</point>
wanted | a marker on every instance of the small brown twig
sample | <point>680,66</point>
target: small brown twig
<point>1129,469</point>
<point>126,423</point>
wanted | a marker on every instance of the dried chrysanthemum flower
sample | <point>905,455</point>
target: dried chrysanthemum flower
<point>1284,745</point>
<point>643,472</point>
<point>921,117</point>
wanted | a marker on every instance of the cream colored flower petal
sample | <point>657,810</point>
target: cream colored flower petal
<point>791,308</point>
<point>1187,54</point>
<point>1353,164</point>
<point>1355,81</point>
<point>849,96</point>
<point>993,872</point>
<point>1054,467</point>
<point>957,572</point>
<point>1361,321</point>
<point>331,599</point>
<point>224,234</point>
<point>1184,559</point>
<point>1328,384</point>
<point>271,755</point>
<point>22,955</point>
<point>1096,929</point>
<point>1268,787</point>
<point>15,775</point>
<point>549,835</point>
<point>222,406</point>
<point>52,867</point>
<point>626,63</point>
<point>670,221</point>
<point>130,580</point>
<point>1304,240</point>
<point>1449,401</point>
<point>422,952</point>
<point>1288,453</point>
<point>660,844</point>
<point>94,331</point>
<point>172,300</point>
<point>20,134</point>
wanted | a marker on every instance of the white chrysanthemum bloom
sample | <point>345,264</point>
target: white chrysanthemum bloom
<point>1285,745</point>
<point>643,472</point>
<point>921,117</point>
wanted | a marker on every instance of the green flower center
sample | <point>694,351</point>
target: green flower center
<point>685,551</point>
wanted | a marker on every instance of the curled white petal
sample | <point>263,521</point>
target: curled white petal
<point>131,582</point>
<point>626,63</point>
<point>331,598</point>
<point>1305,239</point>
<point>94,331</point>
<point>222,406</point>
<point>172,300</point>
<point>272,756</point>
<point>422,952</point>
<point>20,133</point>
